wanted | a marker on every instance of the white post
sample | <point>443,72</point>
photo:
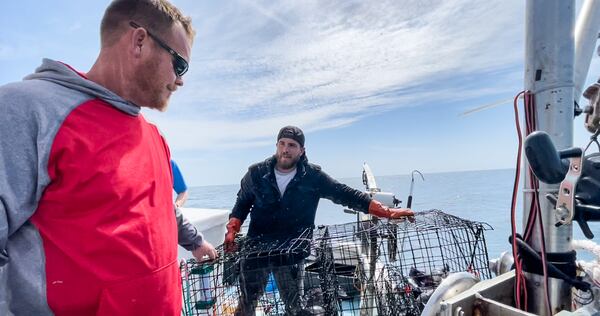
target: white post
<point>549,71</point>
<point>586,36</point>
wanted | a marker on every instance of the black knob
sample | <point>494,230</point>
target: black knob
<point>544,159</point>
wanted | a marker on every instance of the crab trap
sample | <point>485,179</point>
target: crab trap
<point>374,267</point>
<point>259,278</point>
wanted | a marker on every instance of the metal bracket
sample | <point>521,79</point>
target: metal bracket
<point>565,206</point>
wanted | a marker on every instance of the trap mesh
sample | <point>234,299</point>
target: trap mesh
<point>388,266</point>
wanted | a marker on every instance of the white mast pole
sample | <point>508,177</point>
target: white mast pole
<point>549,71</point>
<point>586,36</point>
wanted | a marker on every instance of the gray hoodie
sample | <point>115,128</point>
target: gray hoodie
<point>31,114</point>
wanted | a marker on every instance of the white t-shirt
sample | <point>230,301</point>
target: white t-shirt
<point>283,179</point>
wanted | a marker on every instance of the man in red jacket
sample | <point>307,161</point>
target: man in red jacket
<point>87,221</point>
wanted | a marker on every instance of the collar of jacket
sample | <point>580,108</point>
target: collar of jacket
<point>301,166</point>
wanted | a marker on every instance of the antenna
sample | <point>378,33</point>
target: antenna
<point>412,183</point>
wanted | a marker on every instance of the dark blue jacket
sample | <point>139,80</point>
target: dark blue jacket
<point>276,217</point>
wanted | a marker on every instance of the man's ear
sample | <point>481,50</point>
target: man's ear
<point>137,41</point>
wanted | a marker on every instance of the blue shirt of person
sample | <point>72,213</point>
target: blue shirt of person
<point>178,185</point>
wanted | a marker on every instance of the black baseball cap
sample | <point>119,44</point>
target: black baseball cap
<point>291,132</point>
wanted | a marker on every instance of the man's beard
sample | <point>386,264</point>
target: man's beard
<point>149,88</point>
<point>288,164</point>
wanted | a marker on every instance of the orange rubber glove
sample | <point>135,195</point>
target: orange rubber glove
<point>379,210</point>
<point>233,227</point>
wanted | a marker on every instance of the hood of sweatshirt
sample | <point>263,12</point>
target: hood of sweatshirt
<point>62,74</point>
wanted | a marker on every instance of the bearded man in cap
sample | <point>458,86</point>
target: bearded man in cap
<point>281,195</point>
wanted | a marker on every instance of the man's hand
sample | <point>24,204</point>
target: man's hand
<point>379,210</point>
<point>396,213</point>
<point>233,227</point>
<point>205,250</point>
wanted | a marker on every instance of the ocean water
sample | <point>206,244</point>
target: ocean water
<point>483,196</point>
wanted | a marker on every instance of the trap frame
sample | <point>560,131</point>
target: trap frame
<point>388,266</point>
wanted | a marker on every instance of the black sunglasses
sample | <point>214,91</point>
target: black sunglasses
<point>180,65</point>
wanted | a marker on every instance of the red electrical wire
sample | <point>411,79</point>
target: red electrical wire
<point>534,209</point>
<point>533,182</point>
<point>531,114</point>
<point>513,208</point>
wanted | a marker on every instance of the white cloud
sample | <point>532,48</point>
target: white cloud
<point>320,64</point>
<point>206,133</point>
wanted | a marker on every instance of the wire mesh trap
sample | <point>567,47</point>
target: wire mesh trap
<point>205,289</point>
<point>391,267</point>
<point>262,277</point>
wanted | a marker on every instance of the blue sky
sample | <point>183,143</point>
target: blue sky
<point>378,81</point>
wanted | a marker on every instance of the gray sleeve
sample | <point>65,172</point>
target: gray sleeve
<point>19,165</point>
<point>31,113</point>
<point>187,235</point>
